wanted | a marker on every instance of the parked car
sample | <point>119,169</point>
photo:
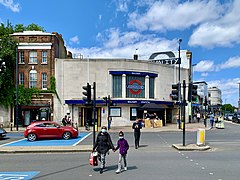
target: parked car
<point>2,132</point>
<point>236,118</point>
<point>49,129</point>
<point>229,117</point>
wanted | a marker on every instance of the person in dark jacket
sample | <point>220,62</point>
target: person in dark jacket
<point>102,145</point>
<point>137,126</point>
<point>123,147</point>
<point>64,120</point>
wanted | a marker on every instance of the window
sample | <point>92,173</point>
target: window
<point>44,80</point>
<point>21,78</point>
<point>151,87</point>
<point>33,79</point>
<point>135,87</point>
<point>33,57</point>
<point>117,86</point>
<point>44,57</point>
<point>115,111</point>
<point>133,113</point>
<point>21,57</point>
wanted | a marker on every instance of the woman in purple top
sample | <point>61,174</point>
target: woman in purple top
<point>123,147</point>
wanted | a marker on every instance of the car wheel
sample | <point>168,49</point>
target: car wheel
<point>31,137</point>
<point>67,135</point>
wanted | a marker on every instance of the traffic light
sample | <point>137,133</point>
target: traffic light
<point>192,92</point>
<point>87,93</point>
<point>175,91</point>
<point>105,99</point>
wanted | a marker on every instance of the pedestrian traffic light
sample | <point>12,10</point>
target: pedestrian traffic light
<point>192,92</point>
<point>105,99</point>
<point>175,91</point>
<point>87,94</point>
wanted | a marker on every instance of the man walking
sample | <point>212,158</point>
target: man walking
<point>137,126</point>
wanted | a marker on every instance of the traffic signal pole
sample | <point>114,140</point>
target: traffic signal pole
<point>108,105</point>
<point>183,107</point>
<point>94,112</point>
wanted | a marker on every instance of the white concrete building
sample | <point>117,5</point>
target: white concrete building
<point>130,84</point>
<point>215,99</point>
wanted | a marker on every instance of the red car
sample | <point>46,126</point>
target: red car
<point>49,129</point>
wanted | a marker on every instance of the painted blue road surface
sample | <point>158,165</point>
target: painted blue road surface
<point>17,175</point>
<point>50,142</point>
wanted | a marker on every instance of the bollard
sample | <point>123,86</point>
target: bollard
<point>182,124</point>
<point>201,136</point>
<point>96,127</point>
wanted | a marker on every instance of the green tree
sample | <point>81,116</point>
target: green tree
<point>8,55</point>
<point>34,27</point>
<point>19,28</point>
<point>228,108</point>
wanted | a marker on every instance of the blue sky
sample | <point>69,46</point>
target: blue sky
<point>116,28</point>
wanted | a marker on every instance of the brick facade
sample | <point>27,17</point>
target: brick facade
<point>37,51</point>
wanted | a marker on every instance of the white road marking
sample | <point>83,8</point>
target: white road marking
<point>12,142</point>
<point>82,139</point>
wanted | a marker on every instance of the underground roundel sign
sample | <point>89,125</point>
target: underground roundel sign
<point>135,86</point>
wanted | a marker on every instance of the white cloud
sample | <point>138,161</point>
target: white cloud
<point>204,74</point>
<point>173,15</point>
<point>204,66</point>
<point>74,39</point>
<point>209,66</point>
<point>222,32</point>
<point>233,62</point>
<point>122,5</point>
<point>15,7</point>
<point>123,45</point>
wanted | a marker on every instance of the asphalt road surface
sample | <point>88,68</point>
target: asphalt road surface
<point>155,159</point>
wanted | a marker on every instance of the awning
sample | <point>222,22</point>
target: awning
<point>152,107</point>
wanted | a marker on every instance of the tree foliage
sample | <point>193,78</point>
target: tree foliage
<point>30,27</point>
<point>7,55</point>
<point>228,108</point>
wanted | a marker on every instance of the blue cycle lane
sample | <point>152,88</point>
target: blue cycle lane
<point>50,142</point>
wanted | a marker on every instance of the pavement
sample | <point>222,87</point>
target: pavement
<point>192,127</point>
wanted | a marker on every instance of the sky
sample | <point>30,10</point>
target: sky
<point>210,29</point>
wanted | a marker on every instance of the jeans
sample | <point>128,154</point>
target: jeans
<point>122,157</point>
<point>137,138</point>
<point>101,158</point>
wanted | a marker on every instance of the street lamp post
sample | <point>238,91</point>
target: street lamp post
<point>179,83</point>
<point>179,74</point>
<point>189,57</point>
<point>16,105</point>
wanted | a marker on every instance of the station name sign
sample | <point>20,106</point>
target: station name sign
<point>168,61</point>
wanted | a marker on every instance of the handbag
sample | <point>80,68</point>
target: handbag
<point>93,159</point>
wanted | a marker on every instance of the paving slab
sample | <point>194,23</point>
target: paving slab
<point>46,149</point>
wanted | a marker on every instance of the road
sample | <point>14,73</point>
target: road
<point>155,159</point>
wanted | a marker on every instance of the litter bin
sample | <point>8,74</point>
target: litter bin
<point>201,136</point>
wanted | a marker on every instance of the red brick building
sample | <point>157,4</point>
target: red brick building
<point>37,51</point>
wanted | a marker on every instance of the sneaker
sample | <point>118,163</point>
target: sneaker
<point>125,168</point>
<point>118,171</point>
<point>101,170</point>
